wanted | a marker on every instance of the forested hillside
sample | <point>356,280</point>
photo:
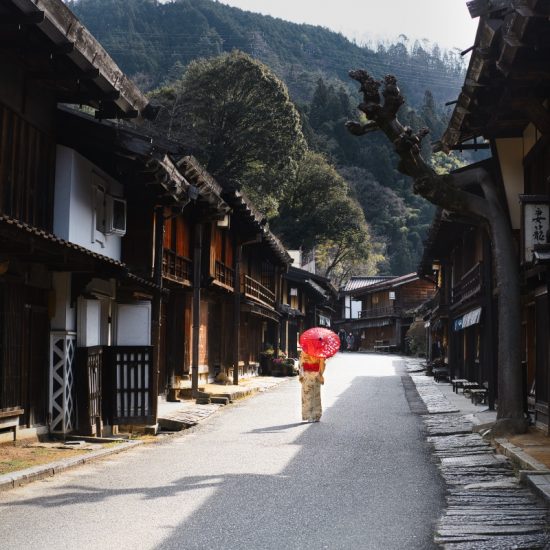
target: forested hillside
<point>154,42</point>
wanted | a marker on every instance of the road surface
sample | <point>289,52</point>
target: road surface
<point>253,476</point>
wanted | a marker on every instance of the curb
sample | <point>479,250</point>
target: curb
<point>532,474</point>
<point>518,457</point>
<point>22,477</point>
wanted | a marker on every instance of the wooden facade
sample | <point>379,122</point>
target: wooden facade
<point>36,361</point>
<point>461,318</point>
<point>385,307</point>
<point>308,300</point>
<point>505,102</point>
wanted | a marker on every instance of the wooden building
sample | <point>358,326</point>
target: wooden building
<point>48,58</point>
<point>379,310</point>
<point>229,268</point>
<point>309,300</point>
<point>460,318</point>
<point>505,100</point>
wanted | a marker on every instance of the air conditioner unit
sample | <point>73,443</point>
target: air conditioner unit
<point>115,215</point>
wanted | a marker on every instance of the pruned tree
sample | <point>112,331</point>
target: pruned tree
<point>450,191</point>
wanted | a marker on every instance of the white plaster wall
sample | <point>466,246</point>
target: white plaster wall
<point>356,308</point>
<point>510,154</point>
<point>65,315</point>
<point>74,203</point>
<point>89,323</point>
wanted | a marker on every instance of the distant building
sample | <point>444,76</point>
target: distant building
<point>379,310</point>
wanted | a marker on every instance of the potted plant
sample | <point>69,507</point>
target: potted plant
<point>266,358</point>
<point>291,367</point>
<point>278,366</point>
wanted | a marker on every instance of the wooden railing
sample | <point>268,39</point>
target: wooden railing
<point>468,286</point>
<point>224,275</point>
<point>255,290</point>
<point>115,384</point>
<point>386,311</point>
<point>177,268</point>
<point>89,362</point>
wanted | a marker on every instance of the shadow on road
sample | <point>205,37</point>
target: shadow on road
<point>362,478</point>
<point>273,429</point>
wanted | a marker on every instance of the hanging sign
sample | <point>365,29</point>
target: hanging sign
<point>535,223</point>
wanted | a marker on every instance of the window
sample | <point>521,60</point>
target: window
<point>115,215</point>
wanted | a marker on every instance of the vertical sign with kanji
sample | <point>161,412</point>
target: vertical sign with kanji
<point>535,229</point>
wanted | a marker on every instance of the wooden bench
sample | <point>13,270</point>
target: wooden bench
<point>9,419</point>
<point>457,383</point>
<point>467,387</point>
<point>441,374</point>
<point>382,345</point>
<point>479,395</point>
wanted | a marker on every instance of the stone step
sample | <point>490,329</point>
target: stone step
<point>219,400</point>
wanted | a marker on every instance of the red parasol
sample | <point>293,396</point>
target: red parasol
<point>320,342</point>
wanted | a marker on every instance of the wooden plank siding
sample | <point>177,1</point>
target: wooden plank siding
<point>24,330</point>
<point>27,168</point>
<point>221,257</point>
<point>177,263</point>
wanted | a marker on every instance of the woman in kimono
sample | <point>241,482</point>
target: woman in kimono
<point>311,378</point>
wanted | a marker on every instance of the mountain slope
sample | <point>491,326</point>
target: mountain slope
<point>156,41</point>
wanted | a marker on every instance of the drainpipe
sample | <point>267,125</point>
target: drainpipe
<point>197,257</point>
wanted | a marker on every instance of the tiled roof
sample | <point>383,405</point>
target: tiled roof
<point>47,237</point>
<point>356,283</point>
<point>50,237</point>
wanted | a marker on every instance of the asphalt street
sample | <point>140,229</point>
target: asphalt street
<point>254,476</point>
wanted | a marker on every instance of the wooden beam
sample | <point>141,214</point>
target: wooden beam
<point>112,111</point>
<point>84,98</point>
<point>58,75</point>
<point>32,18</point>
<point>478,8</point>
<point>45,50</point>
<point>536,113</point>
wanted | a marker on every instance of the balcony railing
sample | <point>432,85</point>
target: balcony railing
<point>224,275</point>
<point>469,285</point>
<point>255,290</point>
<point>386,311</point>
<point>176,268</point>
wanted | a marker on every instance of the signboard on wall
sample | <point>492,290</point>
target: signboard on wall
<point>535,223</point>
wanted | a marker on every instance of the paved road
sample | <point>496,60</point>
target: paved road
<point>252,476</point>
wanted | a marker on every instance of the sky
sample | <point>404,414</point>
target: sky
<point>446,22</point>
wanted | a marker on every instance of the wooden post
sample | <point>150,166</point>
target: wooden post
<point>237,258</point>
<point>157,306</point>
<point>197,270</point>
<point>489,332</point>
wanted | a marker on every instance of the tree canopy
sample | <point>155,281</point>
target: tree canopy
<point>238,118</point>
<point>318,211</point>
